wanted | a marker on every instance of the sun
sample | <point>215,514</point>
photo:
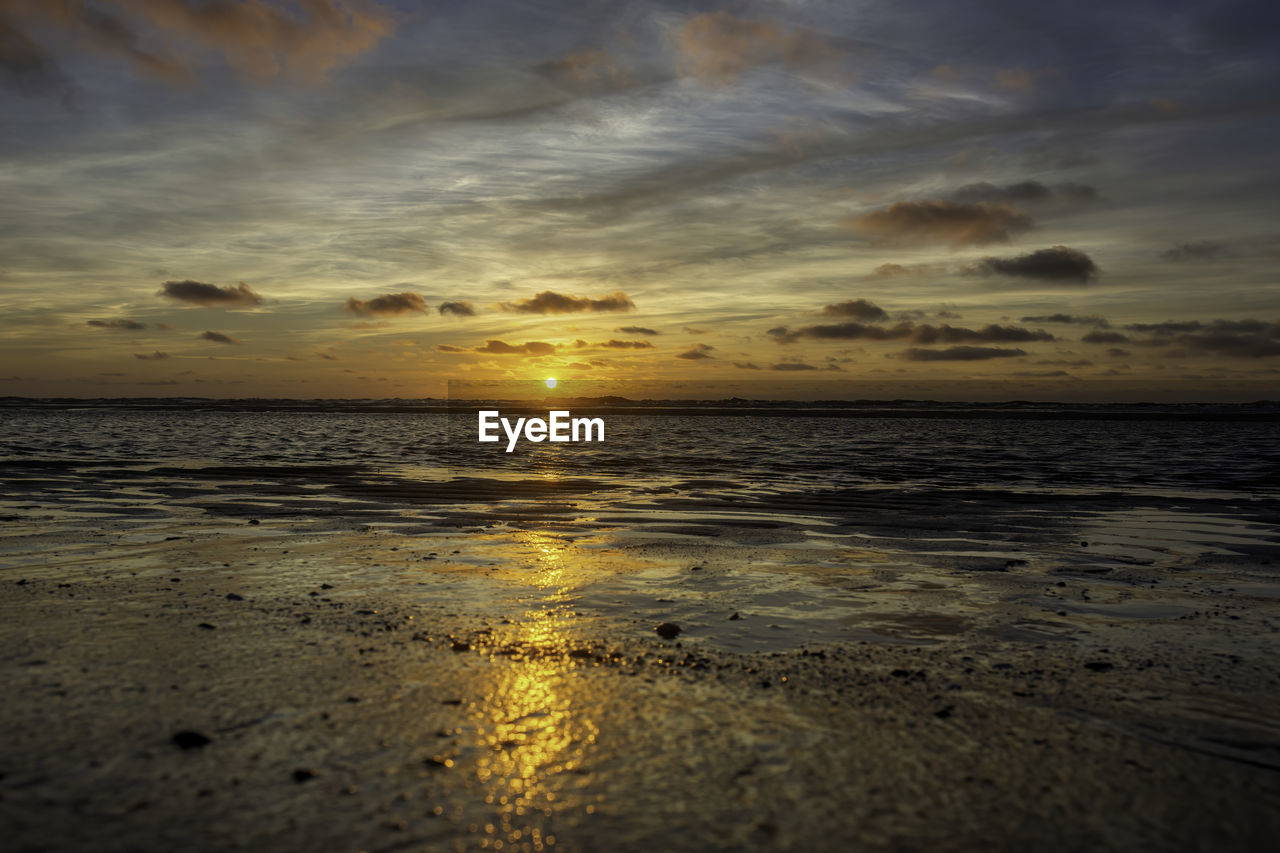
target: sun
<point>551,382</point>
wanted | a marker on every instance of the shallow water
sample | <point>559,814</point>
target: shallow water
<point>896,529</point>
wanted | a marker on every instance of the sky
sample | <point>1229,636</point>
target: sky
<point>941,198</point>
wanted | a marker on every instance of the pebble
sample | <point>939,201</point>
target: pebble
<point>188,739</point>
<point>668,630</point>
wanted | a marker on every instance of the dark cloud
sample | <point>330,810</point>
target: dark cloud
<point>943,221</point>
<point>531,348</point>
<point>958,354</point>
<point>921,334</point>
<point>792,365</point>
<point>696,352</point>
<point>840,332</point>
<point>1057,263</point>
<point>1024,192</point>
<point>28,67</point>
<point>1040,373</point>
<point>746,365</point>
<point>259,38</point>
<point>550,302</point>
<point>116,323</point>
<point>1198,250</point>
<point>859,309</point>
<point>218,338</point>
<point>326,356</point>
<point>992,333</point>
<point>1100,337</point>
<point>211,295</point>
<point>1234,338</point>
<point>1231,344</point>
<point>449,348</point>
<point>155,356</point>
<point>616,344</point>
<point>388,305</point>
<point>1173,327</point>
<point>1080,319</point>
<point>637,330</point>
<point>458,309</point>
<point>1116,352</point>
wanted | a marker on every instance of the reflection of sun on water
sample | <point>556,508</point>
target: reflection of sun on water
<point>532,731</point>
<point>536,740</point>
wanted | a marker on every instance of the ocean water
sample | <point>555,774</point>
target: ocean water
<point>870,474</point>
<point>899,528</point>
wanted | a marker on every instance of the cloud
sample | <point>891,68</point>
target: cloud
<point>550,302</point>
<point>746,365</point>
<point>1172,327</point>
<point>959,354</point>
<point>28,67</point>
<point>891,271</point>
<point>921,334</point>
<point>211,295</point>
<point>1199,250</point>
<point>718,46</point>
<point>616,344</point>
<point>388,305</point>
<point>696,352</point>
<point>1081,319</point>
<point>992,333</point>
<point>1015,79</point>
<point>1025,192</point>
<point>588,68</point>
<point>458,309</point>
<point>155,356</point>
<point>792,365</point>
<point>218,338</point>
<point>1234,338</point>
<point>531,348</point>
<point>166,39</point>
<point>637,330</point>
<point>116,323</point>
<point>449,348</point>
<point>1100,337</point>
<point>943,221</point>
<point>1057,263</point>
<point>859,309</point>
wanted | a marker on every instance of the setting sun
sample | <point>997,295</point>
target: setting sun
<point>551,382</point>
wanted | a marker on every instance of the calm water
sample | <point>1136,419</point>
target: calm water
<point>783,454</point>
<point>827,527</point>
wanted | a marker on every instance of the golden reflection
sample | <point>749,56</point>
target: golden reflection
<point>531,730</point>
<point>549,557</point>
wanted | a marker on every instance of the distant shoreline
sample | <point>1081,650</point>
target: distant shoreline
<point>1262,410</point>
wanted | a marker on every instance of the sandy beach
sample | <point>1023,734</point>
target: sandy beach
<point>285,684</point>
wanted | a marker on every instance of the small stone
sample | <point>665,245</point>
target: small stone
<point>735,617</point>
<point>303,775</point>
<point>668,630</point>
<point>206,626</point>
<point>231,596</point>
<point>254,521</point>
<point>945,712</point>
<point>460,646</point>
<point>1099,665</point>
<point>188,739</point>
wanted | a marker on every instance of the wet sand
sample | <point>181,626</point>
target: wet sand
<point>502,686</point>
